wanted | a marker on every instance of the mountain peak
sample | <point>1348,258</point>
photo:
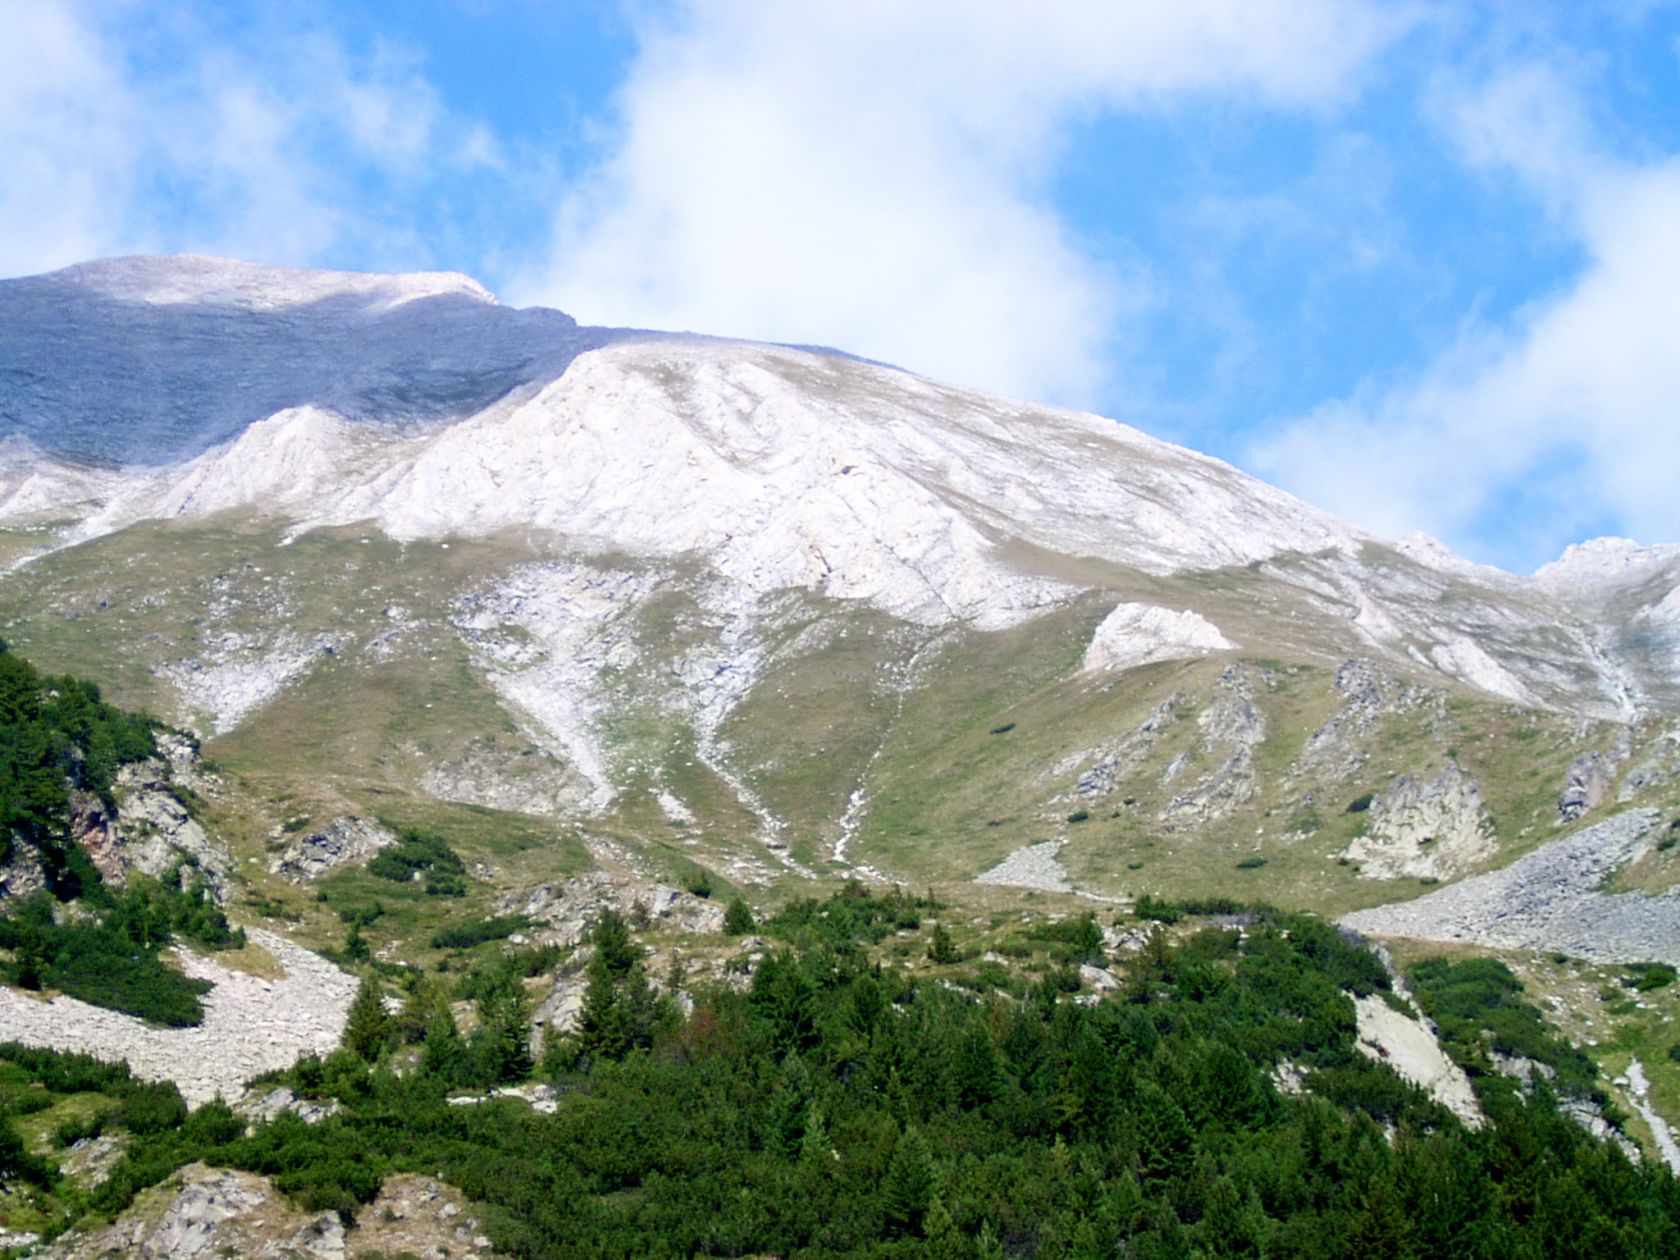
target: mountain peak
<point>1606,562</point>
<point>199,279</point>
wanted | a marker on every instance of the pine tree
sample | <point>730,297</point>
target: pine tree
<point>942,949</point>
<point>368,1029</point>
<point>907,1189</point>
<point>501,1049</point>
<point>944,1240</point>
<point>30,958</point>
<point>444,1053</point>
<point>620,1011</point>
<point>738,918</point>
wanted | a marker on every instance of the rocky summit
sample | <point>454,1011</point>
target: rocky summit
<point>470,628</point>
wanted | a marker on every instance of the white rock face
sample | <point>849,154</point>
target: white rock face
<point>1467,660</point>
<point>1604,563</point>
<point>1411,1049</point>
<point>1139,634</point>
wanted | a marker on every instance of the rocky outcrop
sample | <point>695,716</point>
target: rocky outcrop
<point>1419,830</point>
<point>213,1213</point>
<point>153,828</point>
<point>263,1104</point>
<point>210,1212</point>
<point>1659,765</point>
<point>1590,778</point>
<point>566,912</point>
<point>1336,750</point>
<point>89,1162</point>
<point>21,875</point>
<point>1116,762</point>
<point>344,840</point>
<point>420,1217</point>
<point>1232,727</point>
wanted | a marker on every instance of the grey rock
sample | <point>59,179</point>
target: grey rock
<point>344,840</point>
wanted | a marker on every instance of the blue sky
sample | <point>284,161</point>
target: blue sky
<point>1418,262</point>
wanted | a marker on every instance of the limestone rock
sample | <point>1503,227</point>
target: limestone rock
<point>568,911</point>
<point>1422,830</point>
<point>1139,634</point>
<point>1410,1048</point>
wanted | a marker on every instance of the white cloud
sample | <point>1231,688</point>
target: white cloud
<point>122,131</point>
<point>874,175</point>
<point>1520,439</point>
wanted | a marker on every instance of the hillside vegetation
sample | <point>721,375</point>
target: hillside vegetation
<point>839,1108</point>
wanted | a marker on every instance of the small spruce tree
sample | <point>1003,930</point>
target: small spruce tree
<point>368,1029</point>
<point>942,948</point>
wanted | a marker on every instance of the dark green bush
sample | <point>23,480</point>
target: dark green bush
<point>419,855</point>
<point>467,935</point>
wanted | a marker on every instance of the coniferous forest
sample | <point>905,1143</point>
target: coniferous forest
<point>837,1108</point>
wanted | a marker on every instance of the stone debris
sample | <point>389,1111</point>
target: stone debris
<point>1032,867</point>
<point>251,1025</point>
<point>1550,900</point>
<point>239,673</point>
<point>346,839</point>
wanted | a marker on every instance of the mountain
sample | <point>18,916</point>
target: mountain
<point>389,545</point>
<point>505,653</point>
